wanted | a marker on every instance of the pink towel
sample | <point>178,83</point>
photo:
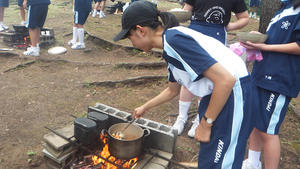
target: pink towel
<point>238,49</point>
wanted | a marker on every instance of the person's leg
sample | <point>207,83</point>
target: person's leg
<point>271,150</point>
<point>80,34</point>
<point>34,36</point>
<point>102,15</point>
<point>254,12</point>
<point>75,35</point>
<point>250,12</point>
<point>22,14</point>
<point>185,100</point>
<point>97,4</point>
<point>1,14</point>
<point>2,25</point>
<point>255,146</point>
<point>1,18</point>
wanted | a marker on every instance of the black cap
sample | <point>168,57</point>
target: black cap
<point>136,13</point>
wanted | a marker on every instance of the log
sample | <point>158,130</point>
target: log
<point>132,81</point>
<point>143,65</point>
<point>20,66</point>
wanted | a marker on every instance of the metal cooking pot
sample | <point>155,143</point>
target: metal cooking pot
<point>131,145</point>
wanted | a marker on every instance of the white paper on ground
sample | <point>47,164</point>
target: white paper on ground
<point>57,50</point>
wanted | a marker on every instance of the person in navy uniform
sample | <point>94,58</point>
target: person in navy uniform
<point>82,9</point>
<point>37,14</point>
<point>3,4</point>
<point>211,18</point>
<point>276,80</point>
<point>220,77</point>
<point>22,12</point>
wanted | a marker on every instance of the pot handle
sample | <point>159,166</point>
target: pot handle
<point>147,132</point>
<point>104,133</point>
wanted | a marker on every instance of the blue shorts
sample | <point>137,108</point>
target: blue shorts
<point>37,15</point>
<point>254,3</point>
<point>81,16</point>
<point>98,1</point>
<point>3,3</point>
<point>230,131</point>
<point>270,108</point>
<point>20,3</point>
<point>213,30</point>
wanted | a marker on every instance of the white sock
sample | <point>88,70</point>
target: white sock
<point>81,35</point>
<point>183,109</point>
<point>75,34</point>
<point>253,157</point>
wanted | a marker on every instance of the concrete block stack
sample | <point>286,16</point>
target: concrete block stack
<point>57,151</point>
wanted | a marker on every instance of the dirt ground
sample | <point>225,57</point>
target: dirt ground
<point>50,88</point>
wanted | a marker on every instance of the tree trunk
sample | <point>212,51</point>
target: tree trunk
<point>267,10</point>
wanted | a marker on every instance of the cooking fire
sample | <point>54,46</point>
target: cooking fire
<point>111,162</point>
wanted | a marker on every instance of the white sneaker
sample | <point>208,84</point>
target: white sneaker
<point>248,165</point>
<point>179,125</point>
<point>32,52</point>
<point>94,14</point>
<point>192,131</point>
<point>4,26</point>
<point>101,15</point>
<point>23,23</point>
<point>71,42</point>
<point>254,16</point>
<point>1,28</point>
<point>78,46</point>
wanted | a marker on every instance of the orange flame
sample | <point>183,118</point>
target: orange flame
<point>105,154</point>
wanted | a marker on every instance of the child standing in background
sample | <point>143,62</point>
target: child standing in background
<point>277,80</point>
<point>82,9</point>
<point>37,14</point>
<point>97,5</point>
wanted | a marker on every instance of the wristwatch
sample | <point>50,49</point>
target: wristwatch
<point>208,120</point>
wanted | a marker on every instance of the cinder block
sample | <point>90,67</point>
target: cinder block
<point>57,142</point>
<point>161,137</point>
<point>62,161</point>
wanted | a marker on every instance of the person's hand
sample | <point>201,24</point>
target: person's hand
<point>257,46</point>
<point>256,32</point>
<point>203,132</point>
<point>139,112</point>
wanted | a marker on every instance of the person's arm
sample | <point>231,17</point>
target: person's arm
<point>187,7</point>
<point>242,20</point>
<point>169,93</point>
<point>223,83</point>
<point>289,48</point>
